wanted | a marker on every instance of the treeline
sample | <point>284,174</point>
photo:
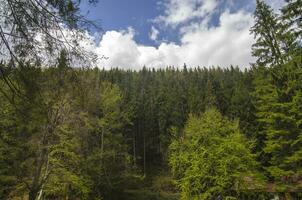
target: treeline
<point>202,133</point>
<point>81,132</point>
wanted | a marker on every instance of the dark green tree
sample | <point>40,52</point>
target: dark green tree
<point>266,30</point>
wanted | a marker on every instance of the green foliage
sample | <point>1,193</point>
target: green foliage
<point>48,20</point>
<point>292,25</point>
<point>266,31</point>
<point>279,119</point>
<point>71,133</point>
<point>277,93</point>
<point>62,144</point>
<point>212,159</point>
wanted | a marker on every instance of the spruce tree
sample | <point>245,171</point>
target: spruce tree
<point>211,159</point>
<point>291,14</point>
<point>276,96</point>
<point>267,33</point>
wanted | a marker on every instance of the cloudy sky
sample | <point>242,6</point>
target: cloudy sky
<point>160,33</point>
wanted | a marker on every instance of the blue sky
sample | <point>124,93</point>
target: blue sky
<point>159,33</point>
<point>121,14</point>
<point>139,14</point>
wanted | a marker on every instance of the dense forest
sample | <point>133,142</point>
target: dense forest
<point>155,134</point>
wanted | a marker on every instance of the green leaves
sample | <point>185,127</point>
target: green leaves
<point>212,158</point>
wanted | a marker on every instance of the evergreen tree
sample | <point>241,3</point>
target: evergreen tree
<point>264,99</point>
<point>292,19</point>
<point>210,100</point>
<point>266,31</point>
<point>211,159</point>
<point>277,91</point>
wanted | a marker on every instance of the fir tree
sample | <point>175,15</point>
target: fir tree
<point>212,159</point>
<point>267,33</point>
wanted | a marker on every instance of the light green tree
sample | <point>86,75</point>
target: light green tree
<point>212,158</point>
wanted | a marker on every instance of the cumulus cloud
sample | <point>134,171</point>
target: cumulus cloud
<point>228,43</point>
<point>120,48</point>
<point>178,12</point>
<point>200,44</point>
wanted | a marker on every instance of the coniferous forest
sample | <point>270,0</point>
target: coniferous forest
<point>158,134</point>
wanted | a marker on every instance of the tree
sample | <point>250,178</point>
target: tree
<point>277,91</point>
<point>266,31</point>
<point>264,100</point>
<point>36,31</point>
<point>11,149</point>
<point>103,146</point>
<point>210,99</point>
<point>292,22</point>
<point>211,158</point>
<point>22,21</point>
<point>66,176</point>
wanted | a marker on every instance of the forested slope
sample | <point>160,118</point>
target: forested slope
<point>170,133</point>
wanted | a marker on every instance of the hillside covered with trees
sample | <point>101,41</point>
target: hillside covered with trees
<point>158,134</point>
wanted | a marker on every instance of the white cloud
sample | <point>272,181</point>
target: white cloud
<point>120,48</point>
<point>180,11</point>
<point>200,45</point>
<point>229,43</point>
<point>154,33</point>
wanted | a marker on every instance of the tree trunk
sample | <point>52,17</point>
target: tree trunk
<point>102,144</point>
<point>40,195</point>
<point>144,154</point>
<point>134,146</point>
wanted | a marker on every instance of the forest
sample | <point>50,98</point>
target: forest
<point>191,133</point>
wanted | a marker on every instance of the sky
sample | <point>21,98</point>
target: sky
<point>161,33</point>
